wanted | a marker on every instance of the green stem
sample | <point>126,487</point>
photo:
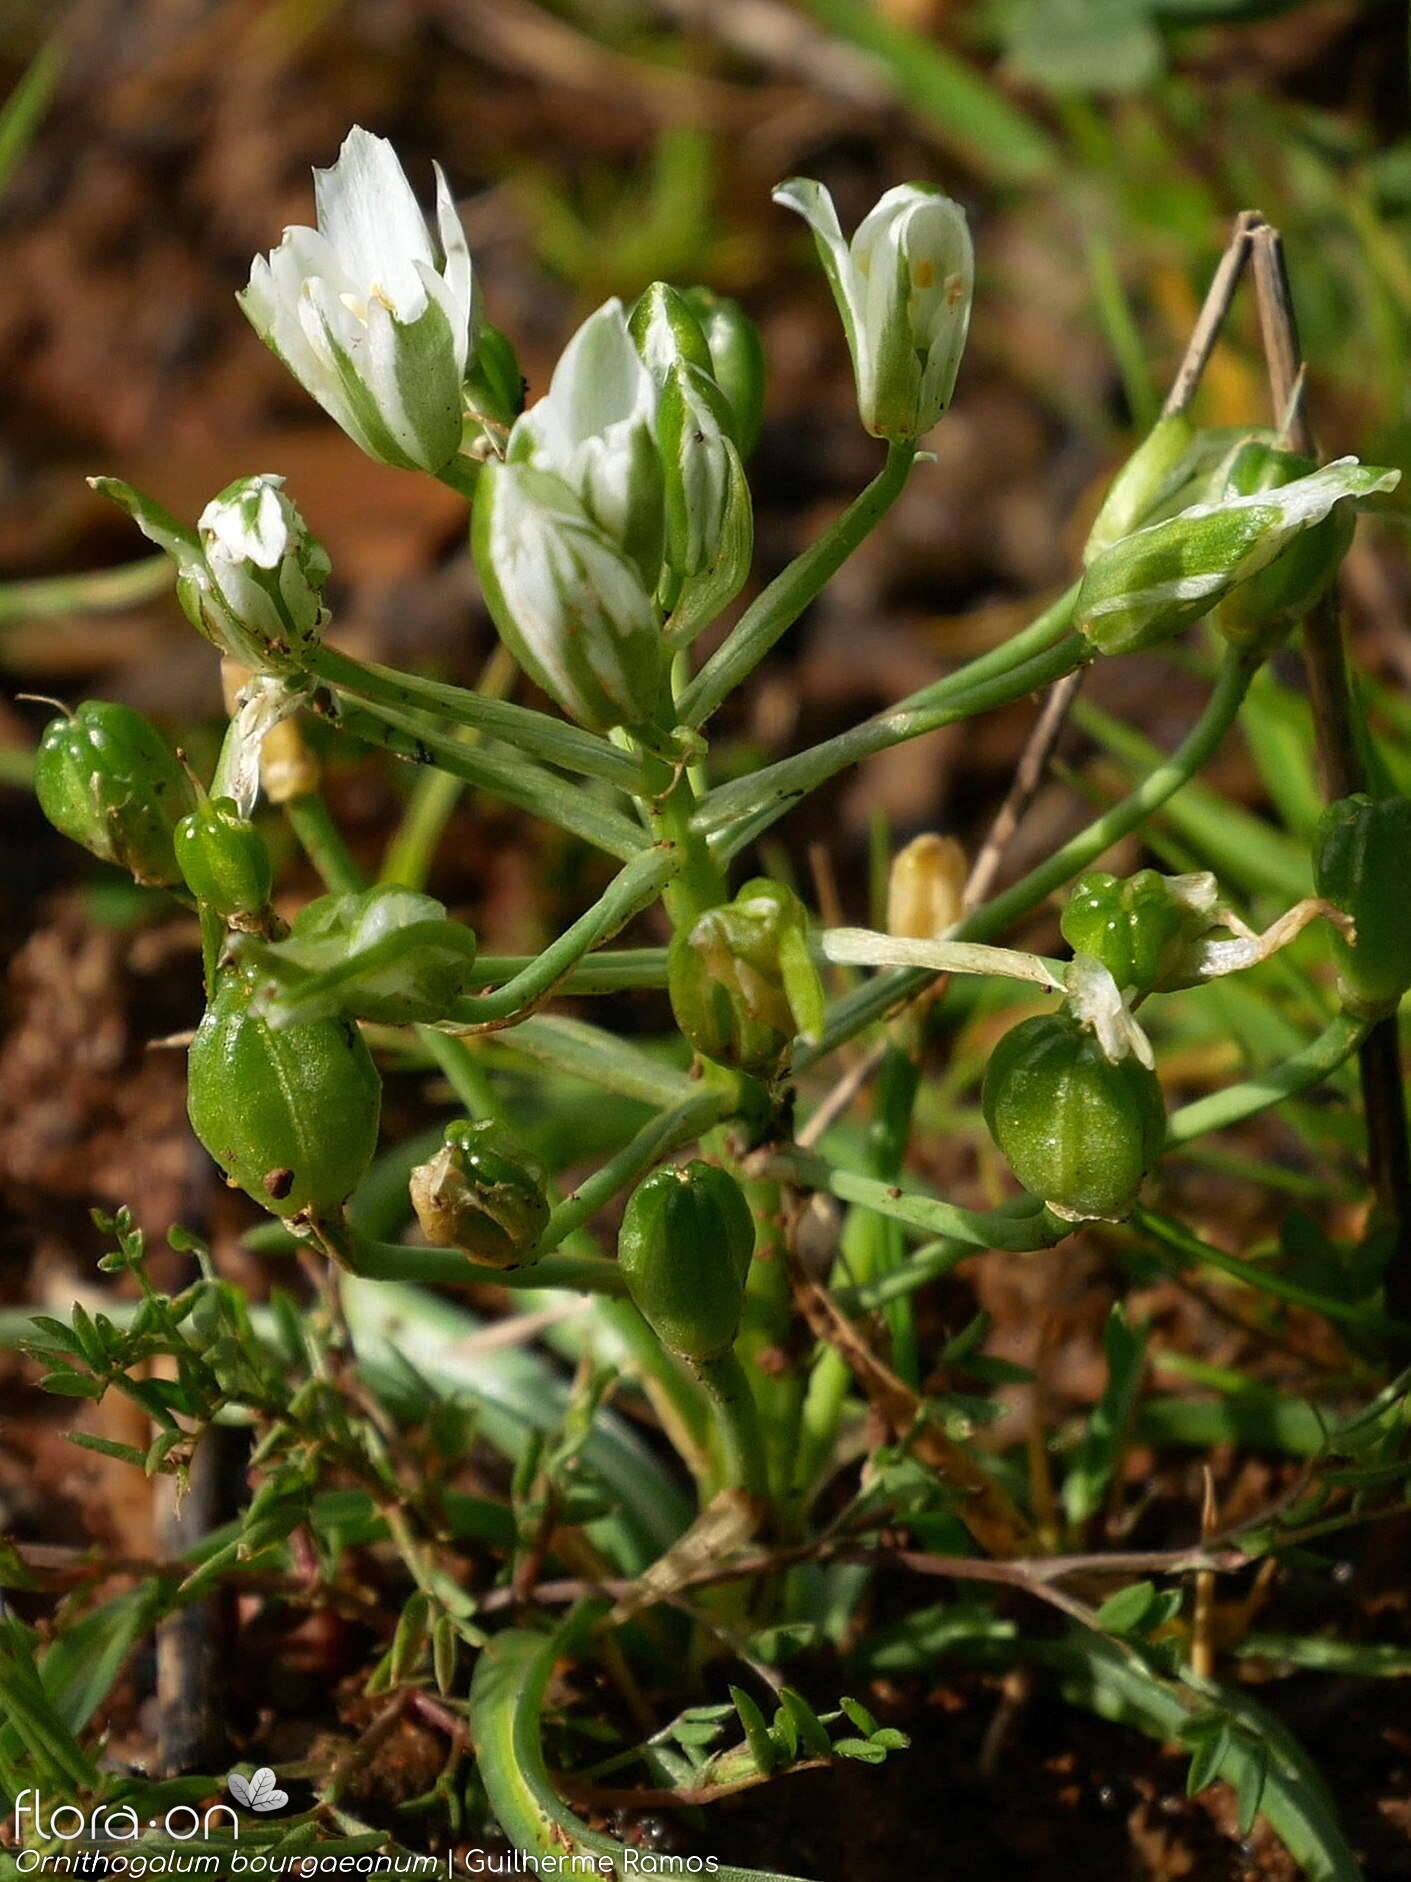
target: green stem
<point>772,613</point>
<point>1176,1237</point>
<point>670,801</point>
<point>737,1420</point>
<point>633,889</point>
<point>1317,1060</point>
<point>606,971</point>
<point>552,740</point>
<point>739,811</point>
<point>1010,1228</point>
<point>656,1139</point>
<point>860,1008</point>
<point>322,842</point>
<point>518,781</point>
<point>98,590</point>
<point>448,1267</point>
<point>599,1058</point>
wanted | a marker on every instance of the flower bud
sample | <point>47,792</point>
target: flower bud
<point>926,887</point>
<point>374,317</point>
<point>568,602</point>
<point>736,357</point>
<point>685,1248</point>
<point>386,954</point>
<point>1361,859</point>
<point>1141,928</point>
<point>742,982</point>
<point>251,578</point>
<point>1149,585</point>
<point>106,778</point>
<point>494,394</point>
<point>1077,1130</point>
<point>291,1116</point>
<point>1261,612</point>
<point>224,861</point>
<point>594,429</point>
<point>903,288</point>
<point>478,1194</point>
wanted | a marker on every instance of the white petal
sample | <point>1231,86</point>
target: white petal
<point>811,201</point>
<point>369,214</point>
<point>457,269</point>
<point>599,379</point>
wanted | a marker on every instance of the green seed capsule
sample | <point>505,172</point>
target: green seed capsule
<point>224,860</point>
<point>480,1195</point>
<point>1361,860</point>
<point>1139,927</point>
<point>741,981</point>
<point>290,1116</point>
<point>108,780</point>
<point>1077,1130</point>
<point>1261,612</point>
<point>685,1248</point>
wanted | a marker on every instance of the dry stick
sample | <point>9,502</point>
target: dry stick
<point>1340,759</point>
<point>1048,729</point>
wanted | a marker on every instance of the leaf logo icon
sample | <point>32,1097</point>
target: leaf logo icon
<point>259,1792</point>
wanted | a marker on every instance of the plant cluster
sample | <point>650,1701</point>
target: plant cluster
<point>611,527</point>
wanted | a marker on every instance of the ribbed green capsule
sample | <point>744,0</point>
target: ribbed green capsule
<point>1140,927</point>
<point>741,980</point>
<point>480,1195</point>
<point>224,860</point>
<point>108,780</point>
<point>1077,1130</point>
<point>685,1248</point>
<point>1361,862</point>
<point>290,1116</point>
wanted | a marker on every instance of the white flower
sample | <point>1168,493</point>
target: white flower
<point>593,428</point>
<point>903,287</point>
<point>373,319</point>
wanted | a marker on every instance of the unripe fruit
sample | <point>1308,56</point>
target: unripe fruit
<point>1077,1130</point>
<point>290,1116</point>
<point>477,1194</point>
<point>224,860</point>
<point>741,981</point>
<point>1361,860</point>
<point>108,780</point>
<point>685,1247</point>
<point>1137,927</point>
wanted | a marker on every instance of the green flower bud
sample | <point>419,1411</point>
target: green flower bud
<point>290,1116</point>
<point>224,861</point>
<point>479,1194</point>
<point>1141,927</point>
<point>568,602</point>
<point>1261,612</point>
<point>1149,585</point>
<point>1077,1130</point>
<point>250,578</point>
<point>903,287</point>
<point>667,334</point>
<point>736,357</point>
<point>108,780</point>
<point>742,981</point>
<point>1361,861</point>
<point>385,953</point>
<point>685,1248</point>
